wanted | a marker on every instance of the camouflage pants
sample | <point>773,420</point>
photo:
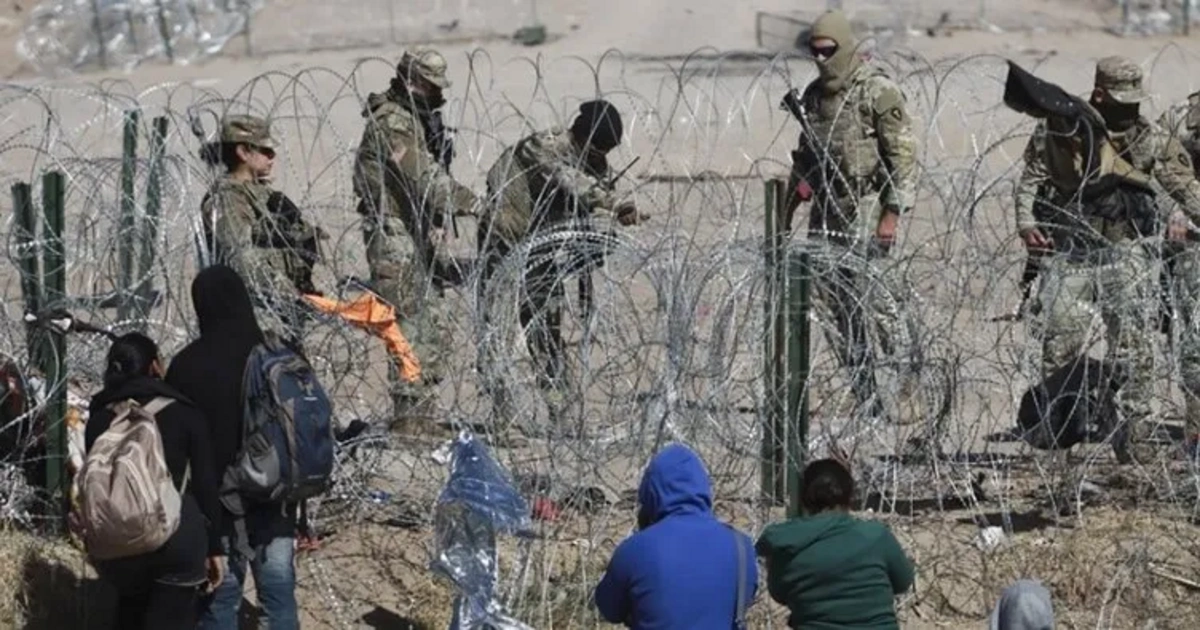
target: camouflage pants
<point>540,316</point>
<point>846,288</point>
<point>403,280</point>
<point>1121,283</point>
<point>1186,283</point>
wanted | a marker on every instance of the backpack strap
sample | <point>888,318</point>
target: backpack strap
<point>740,611</point>
<point>230,496</point>
<point>158,404</point>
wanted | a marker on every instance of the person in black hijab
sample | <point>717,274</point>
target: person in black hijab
<point>158,590</point>
<point>209,370</point>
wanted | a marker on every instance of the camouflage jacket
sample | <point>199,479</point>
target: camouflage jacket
<point>242,234</point>
<point>541,180</point>
<point>396,174</point>
<point>1182,122</point>
<point>1054,163</point>
<point>856,142</point>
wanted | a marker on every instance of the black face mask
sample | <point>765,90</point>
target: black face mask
<point>425,103</point>
<point>1118,116</point>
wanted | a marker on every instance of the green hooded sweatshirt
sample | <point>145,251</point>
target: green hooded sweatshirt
<point>835,571</point>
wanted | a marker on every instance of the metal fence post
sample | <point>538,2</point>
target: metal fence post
<point>773,452</point>
<point>798,305</point>
<point>54,346</point>
<point>98,28</point>
<point>128,210</point>
<point>27,259</point>
<point>149,232</point>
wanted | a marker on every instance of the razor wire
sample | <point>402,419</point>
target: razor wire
<point>671,348</point>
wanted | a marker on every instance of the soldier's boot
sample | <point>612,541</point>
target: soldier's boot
<point>1131,444</point>
<point>1191,430</point>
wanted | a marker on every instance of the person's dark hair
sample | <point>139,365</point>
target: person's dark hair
<point>130,356</point>
<point>221,153</point>
<point>827,486</point>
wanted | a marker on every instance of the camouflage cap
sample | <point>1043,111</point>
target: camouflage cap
<point>426,63</point>
<point>1121,79</point>
<point>246,129</point>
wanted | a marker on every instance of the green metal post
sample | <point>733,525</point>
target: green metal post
<point>126,221</point>
<point>55,345</point>
<point>798,286</point>
<point>98,28</point>
<point>774,430</point>
<point>149,232</point>
<point>164,31</point>
<point>27,259</point>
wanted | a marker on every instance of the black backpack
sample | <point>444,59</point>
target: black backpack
<point>1070,405</point>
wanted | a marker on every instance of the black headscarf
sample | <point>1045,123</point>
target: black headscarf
<point>209,370</point>
<point>598,124</point>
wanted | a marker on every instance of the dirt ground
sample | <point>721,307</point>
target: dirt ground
<point>1128,562</point>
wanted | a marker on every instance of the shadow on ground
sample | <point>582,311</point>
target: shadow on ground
<point>383,619</point>
<point>56,598</point>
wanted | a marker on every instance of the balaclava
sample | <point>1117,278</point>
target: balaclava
<point>598,125</point>
<point>836,69</point>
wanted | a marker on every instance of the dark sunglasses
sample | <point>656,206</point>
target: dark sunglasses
<point>270,153</point>
<point>823,52</point>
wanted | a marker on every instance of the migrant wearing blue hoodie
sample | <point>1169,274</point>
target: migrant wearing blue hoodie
<point>680,571</point>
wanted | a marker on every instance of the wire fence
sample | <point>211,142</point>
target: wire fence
<point>673,349</point>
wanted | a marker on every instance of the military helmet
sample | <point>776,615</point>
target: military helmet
<point>1121,79</point>
<point>242,129</point>
<point>426,63</point>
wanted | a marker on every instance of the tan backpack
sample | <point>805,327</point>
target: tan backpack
<point>128,504</point>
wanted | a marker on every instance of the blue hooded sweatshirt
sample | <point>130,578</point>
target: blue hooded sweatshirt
<point>680,571</point>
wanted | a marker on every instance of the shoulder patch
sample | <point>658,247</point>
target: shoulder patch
<point>887,97</point>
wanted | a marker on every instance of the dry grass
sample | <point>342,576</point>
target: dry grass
<point>49,585</point>
<point>1105,569</point>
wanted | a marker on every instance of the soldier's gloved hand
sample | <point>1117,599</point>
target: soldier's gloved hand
<point>627,214</point>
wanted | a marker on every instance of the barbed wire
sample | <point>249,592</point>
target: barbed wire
<point>672,348</point>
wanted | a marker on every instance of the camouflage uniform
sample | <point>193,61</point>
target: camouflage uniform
<point>1182,122</point>
<point>544,179</point>
<point>857,152</point>
<point>405,192</point>
<point>244,233</point>
<point>1098,260</point>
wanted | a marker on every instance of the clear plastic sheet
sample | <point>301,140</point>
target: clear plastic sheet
<point>69,35</point>
<point>478,503</point>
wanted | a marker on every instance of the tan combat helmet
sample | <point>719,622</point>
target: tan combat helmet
<point>426,63</point>
<point>1121,79</point>
<point>242,129</point>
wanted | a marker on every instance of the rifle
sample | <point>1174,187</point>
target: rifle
<point>586,287</point>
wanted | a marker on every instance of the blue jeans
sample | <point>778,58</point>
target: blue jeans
<point>274,584</point>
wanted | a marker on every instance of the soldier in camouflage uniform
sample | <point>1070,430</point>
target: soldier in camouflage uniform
<point>407,200</point>
<point>856,160</point>
<point>1182,121</point>
<point>258,231</point>
<point>547,178</point>
<point>1100,257</point>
